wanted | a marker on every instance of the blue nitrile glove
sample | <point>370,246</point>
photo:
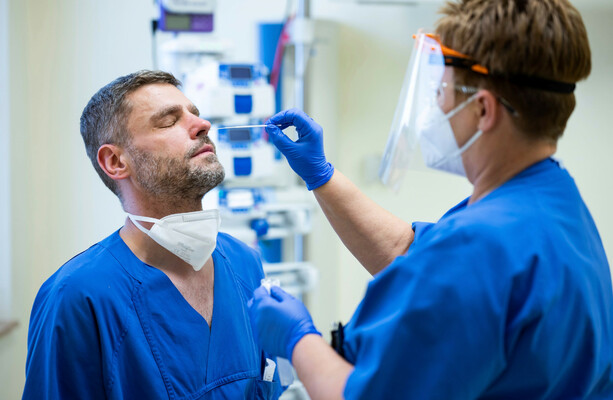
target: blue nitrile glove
<point>279,321</point>
<point>305,155</point>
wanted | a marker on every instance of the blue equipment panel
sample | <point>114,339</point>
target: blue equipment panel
<point>240,139</point>
<point>242,75</point>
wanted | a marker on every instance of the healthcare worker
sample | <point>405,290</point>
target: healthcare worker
<point>508,295</point>
<point>157,310</point>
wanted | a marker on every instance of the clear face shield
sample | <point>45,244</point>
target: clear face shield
<point>421,83</point>
<point>421,133</point>
<point>427,89</point>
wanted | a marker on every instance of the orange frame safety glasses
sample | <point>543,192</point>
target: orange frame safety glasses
<point>454,58</point>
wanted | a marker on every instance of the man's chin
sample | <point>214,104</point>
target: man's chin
<point>211,177</point>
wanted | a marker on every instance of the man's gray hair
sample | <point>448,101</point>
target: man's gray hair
<point>105,117</point>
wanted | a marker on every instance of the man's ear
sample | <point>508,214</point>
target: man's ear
<point>112,160</point>
<point>489,110</point>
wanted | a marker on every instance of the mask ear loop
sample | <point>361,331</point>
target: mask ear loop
<point>470,141</point>
<point>136,218</point>
<point>461,106</point>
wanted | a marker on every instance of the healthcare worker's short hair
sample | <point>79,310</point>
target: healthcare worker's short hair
<point>534,38</point>
<point>104,119</point>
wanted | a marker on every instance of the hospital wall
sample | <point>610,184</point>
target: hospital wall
<point>61,52</point>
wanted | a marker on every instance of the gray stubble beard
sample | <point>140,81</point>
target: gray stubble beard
<point>174,179</point>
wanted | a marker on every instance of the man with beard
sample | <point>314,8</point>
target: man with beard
<point>157,309</point>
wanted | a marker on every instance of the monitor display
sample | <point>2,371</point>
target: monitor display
<point>240,135</point>
<point>174,22</point>
<point>240,72</point>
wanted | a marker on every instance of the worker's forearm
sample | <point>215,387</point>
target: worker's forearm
<point>322,371</point>
<point>372,234</point>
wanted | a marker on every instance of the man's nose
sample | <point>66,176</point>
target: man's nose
<point>200,127</point>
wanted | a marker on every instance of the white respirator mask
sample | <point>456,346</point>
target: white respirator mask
<point>439,147</point>
<point>190,236</point>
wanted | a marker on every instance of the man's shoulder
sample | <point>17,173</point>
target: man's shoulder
<point>88,272</point>
<point>96,255</point>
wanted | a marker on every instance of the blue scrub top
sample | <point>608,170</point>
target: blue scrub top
<point>509,297</point>
<point>108,326</point>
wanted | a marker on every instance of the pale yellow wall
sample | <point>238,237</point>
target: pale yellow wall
<point>586,146</point>
<point>5,216</point>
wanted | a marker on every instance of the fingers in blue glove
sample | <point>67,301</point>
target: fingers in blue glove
<point>279,138</point>
<point>260,292</point>
<point>306,155</point>
<point>296,117</point>
<point>279,294</point>
<point>284,118</point>
<point>281,119</point>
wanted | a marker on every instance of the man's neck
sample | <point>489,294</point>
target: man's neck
<point>140,203</point>
<point>160,208</point>
<point>149,251</point>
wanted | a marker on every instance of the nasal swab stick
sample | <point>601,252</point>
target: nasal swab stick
<point>245,126</point>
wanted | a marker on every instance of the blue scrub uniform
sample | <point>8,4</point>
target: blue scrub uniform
<point>507,298</point>
<point>108,326</point>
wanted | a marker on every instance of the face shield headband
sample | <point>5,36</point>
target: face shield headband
<point>421,89</point>
<point>456,59</point>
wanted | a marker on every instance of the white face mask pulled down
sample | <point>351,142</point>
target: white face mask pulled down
<point>439,147</point>
<point>190,236</point>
